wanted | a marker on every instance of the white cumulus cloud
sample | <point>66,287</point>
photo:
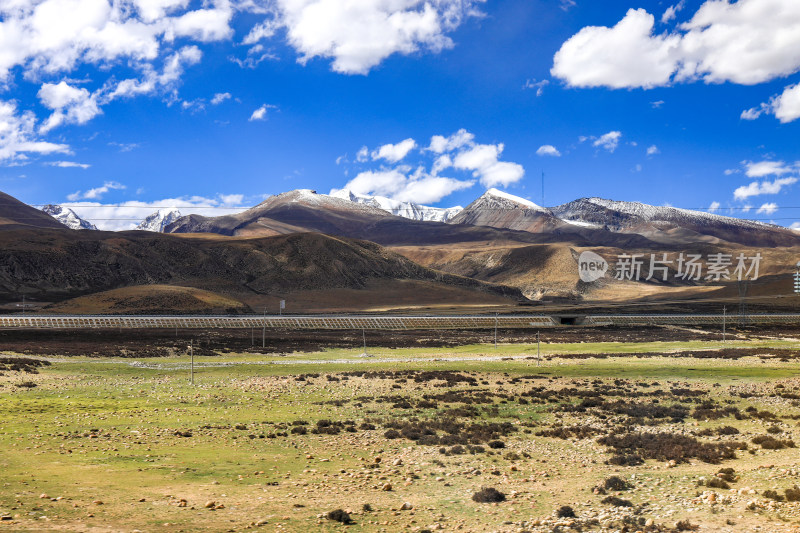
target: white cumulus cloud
<point>714,207</point>
<point>758,188</point>
<point>418,187</point>
<point>483,160</point>
<point>261,112</point>
<point>608,141</point>
<point>70,105</point>
<point>19,138</point>
<point>95,193</point>
<point>219,98</point>
<point>548,149</point>
<point>394,152</point>
<point>653,150</point>
<point>744,42</point>
<point>359,35</point>
<point>768,208</point>
<point>762,169</point>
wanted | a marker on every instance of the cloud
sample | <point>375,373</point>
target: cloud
<point>153,82</point>
<point>608,141</point>
<point>745,42</point>
<point>768,208</point>
<point>127,215</point>
<point>657,104</point>
<point>786,106</point>
<point>261,112</point>
<point>653,150</point>
<point>416,176</point>
<point>758,188</point>
<point>18,136</point>
<point>671,12</point>
<point>56,36</point>
<point>394,152</point>
<point>714,207</point>
<point>70,105</point>
<point>419,187</point>
<point>219,98</point>
<point>360,35</point>
<point>96,193</point>
<point>441,144</point>
<point>548,149</point>
<point>538,85</point>
<point>762,169</point>
<point>68,164</point>
<point>627,55</point>
<point>482,159</point>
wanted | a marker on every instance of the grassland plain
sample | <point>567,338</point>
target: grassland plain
<point>656,436</point>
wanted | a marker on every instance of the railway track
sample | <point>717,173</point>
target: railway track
<point>376,322</point>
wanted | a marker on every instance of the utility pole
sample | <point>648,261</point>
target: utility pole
<point>724,320</point>
<point>191,364</point>
<point>538,349</point>
<point>495,331</point>
<point>264,331</point>
<point>364,338</point>
<point>23,305</point>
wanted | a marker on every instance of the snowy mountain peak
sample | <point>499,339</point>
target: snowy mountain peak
<point>68,217</point>
<point>159,220</point>
<point>502,197</point>
<point>408,210</point>
<point>615,213</point>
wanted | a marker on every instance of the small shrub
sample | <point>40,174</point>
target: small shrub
<point>497,444</point>
<point>717,483</point>
<point>616,502</point>
<point>630,459</point>
<point>616,483</point>
<point>793,494</point>
<point>685,525</point>
<point>565,511</point>
<point>340,515</point>
<point>773,495</point>
<point>488,495</point>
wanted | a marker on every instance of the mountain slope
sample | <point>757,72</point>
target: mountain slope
<point>67,217</point>
<point>14,213</point>
<point>306,211</point>
<point>670,223</point>
<point>54,265</point>
<point>499,209</point>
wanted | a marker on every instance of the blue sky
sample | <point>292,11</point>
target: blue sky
<point>147,103</point>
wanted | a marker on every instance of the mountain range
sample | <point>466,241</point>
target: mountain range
<point>345,252</point>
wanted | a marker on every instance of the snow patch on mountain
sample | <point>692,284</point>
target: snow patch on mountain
<point>504,197</point>
<point>159,220</point>
<point>408,210</point>
<point>614,213</point>
<point>68,217</point>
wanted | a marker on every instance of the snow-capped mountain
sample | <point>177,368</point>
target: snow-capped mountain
<point>68,217</point>
<point>619,215</point>
<point>500,209</point>
<point>159,220</point>
<point>403,209</point>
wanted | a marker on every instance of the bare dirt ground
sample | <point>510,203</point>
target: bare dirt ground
<point>166,342</point>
